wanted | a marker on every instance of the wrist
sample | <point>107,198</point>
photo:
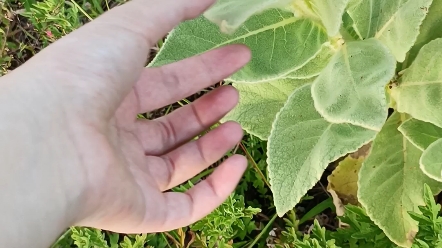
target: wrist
<point>38,198</point>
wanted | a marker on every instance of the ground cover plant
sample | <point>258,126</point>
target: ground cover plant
<point>341,104</point>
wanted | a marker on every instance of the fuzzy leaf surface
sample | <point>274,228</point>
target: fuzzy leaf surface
<point>351,89</point>
<point>429,30</point>
<point>280,43</point>
<point>314,67</point>
<point>421,134</point>
<point>259,104</point>
<point>396,23</point>
<point>431,161</point>
<point>420,89</point>
<point>391,183</point>
<point>302,144</point>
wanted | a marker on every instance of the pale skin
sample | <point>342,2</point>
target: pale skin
<point>73,151</point>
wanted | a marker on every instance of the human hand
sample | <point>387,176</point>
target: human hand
<point>73,151</point>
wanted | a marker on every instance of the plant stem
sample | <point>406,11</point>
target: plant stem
<point>252,161</point>
<point>264,230</point>
<point>82,10</point>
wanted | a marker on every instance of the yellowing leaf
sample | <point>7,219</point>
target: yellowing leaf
<point>344,180</point>
<point>391,183</point>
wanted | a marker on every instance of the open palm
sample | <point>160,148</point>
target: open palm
<point>120,167</point>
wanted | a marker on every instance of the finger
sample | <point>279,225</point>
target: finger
<point>161,135</point>
<point>190,159</point>
<point>186,208</point>
<point>161,86</point>
<point>107,55</point>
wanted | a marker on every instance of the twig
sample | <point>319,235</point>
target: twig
<point>254,164</point>
<point>173,239</point>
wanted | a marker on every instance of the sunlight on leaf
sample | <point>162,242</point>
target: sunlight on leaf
<point>259,104</point>
<point>420,133</point>
<point>330,12</point>
<point>231,14</point>
<point>394,22</point>
<point>284,44</point>
<point>391,183</point>
<point>362,68</point>
<point>302,144</point>
<point>420,88</point>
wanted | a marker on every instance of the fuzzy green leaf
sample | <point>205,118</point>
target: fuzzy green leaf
<point>420,89</point>
<point>314,67</point>
<point>431,161</point>
<point>302,144</point>
<point>430,30</point>
<point>391,183</point>
<point>394,22</point>
<point>283,43</point>
<point>330,12</point>
<point>351,89</point>
<point>420,133</point>
<point>259,104</point>
<point>230,14</point>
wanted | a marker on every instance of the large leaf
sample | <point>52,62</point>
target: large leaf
<point>431,161</point>
<point>419,133</point>
<point>420,89</point>
<point>330,12</point>
<point>430,30</point>
<point>394,22</point>
<point>314,67</point>
<point>391,183</point>
<point>280,44</point>
<point>302,144</point>
<point>259,104</point>
<point>351,89</point>
<point>230,14</point>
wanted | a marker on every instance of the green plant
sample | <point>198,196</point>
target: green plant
<point>430,222</point>
<point>53,19</point>
<point>322,78</point>
<point>5,46</point>
<point>229,221</point>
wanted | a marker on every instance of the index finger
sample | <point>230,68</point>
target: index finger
<point>107,55</point>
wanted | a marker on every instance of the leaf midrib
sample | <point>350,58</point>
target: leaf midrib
<point>260,30</point>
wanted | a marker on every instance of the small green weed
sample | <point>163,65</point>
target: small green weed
<point>53,19</point>
<point>229,221</point>
<point>430,223</point>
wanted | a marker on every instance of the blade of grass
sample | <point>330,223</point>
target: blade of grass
<point>263,231</point>
<point>328,203</point>
<point>82,10</point>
